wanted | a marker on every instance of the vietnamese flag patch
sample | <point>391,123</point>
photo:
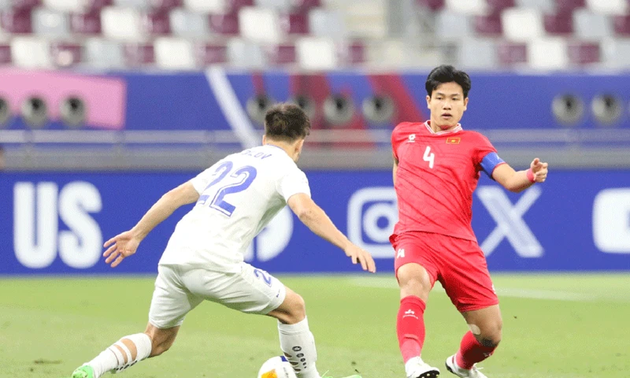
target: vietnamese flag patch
<point>453,140</point>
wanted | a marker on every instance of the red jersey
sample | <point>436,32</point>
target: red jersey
<point>437,175</point>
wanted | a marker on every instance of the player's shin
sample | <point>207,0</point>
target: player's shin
<point>124,353</point>
<point>410,327</point>
<point>471,351</point>
<point>298,344</point>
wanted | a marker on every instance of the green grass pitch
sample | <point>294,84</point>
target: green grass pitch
<point>555,326</point>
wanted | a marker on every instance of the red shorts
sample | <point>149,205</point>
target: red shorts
<point>458,264</point>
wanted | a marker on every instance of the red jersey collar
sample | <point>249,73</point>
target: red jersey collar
<point>453,130</point>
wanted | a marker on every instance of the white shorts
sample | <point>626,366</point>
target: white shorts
<point>178,290</point>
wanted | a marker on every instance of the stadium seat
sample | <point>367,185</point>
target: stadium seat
<point>522,24</point>
<point>65,54</point>
<point>541,5</point>
<point>512,53</point>
<point>616,52</point>
<point>477,53</point>
<point>260,25</point>
<point>467,6</point>
<point>25,4</point>
<point>86,23</point>
<point>583,53</point>
<point>139,54</point>
<point>233,6</point>
<point>30,52</point>
<point>210,53</point>
<point>569,5</point>
<point>187,24</point>
<point>450,26</point>
<point>5,54</point>
<point>548,53</point>
<point>135,4</point>
<point>305,5</point>
<point>559,24</point>
<point>65,5</point>
<point>591,26</point>
<point>103,54</point>
<point>278,5</point>
<point>294,23</point>
<point>174,53</point>
<point>488,25</point>
<point>224,23</point>
<point>245,54</point>
<point>352,53</point>
<point>122,23</point>
<point>16,20</point>
<point>608,7</point>
<point>315,53</point>
<point>165,4</point>
<point>156,22</point>
<point>97,4</point>
<point>622,25</point>
<point>207,6</point>
<point>50,23</point>
<point>326,23</point>
<point>431,4</point>
<point>498,5</point>
<point>281,54</point>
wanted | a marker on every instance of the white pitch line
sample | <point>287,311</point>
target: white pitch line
<point>502,292</point>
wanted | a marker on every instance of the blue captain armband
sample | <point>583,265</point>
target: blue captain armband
<point>490,162</point>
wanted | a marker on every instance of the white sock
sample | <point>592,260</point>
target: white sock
<point>298,344</point>
<point>112,359</point>
<point>412,365</point>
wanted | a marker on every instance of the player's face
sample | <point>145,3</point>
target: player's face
<point>447,105</point>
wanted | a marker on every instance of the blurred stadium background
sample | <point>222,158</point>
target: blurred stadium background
<point>106,104</point>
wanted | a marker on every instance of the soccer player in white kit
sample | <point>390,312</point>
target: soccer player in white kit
<point>235,198</point>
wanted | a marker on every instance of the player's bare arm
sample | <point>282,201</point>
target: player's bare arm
<point>125,244</point>
<point>516,181</point>
<point>317,221</point>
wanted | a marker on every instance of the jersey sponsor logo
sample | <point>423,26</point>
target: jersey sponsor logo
<point>453,140</point>
<point>372,214</point>
<point>509,220</point>
<point>412,138</point>
<point>611,225</point>
<point>37,235</point>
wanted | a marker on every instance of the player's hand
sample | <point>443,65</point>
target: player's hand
<point>539,169</point>
<point>120,246</point>
<point>360,256</point>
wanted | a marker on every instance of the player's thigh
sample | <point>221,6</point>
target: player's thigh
<point>415,267</point>
<point>465,275</point>
<point>251,290</point>
<point>171,300</point>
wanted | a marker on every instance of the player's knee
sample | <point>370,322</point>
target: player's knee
<point>297,309</point>
<point>413,279</point>
<point>490,335</point>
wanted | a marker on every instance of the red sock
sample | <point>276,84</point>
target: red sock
<point>470,352</point>
<point>410,326</point>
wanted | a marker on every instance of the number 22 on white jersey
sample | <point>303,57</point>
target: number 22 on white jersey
<point>429,156</point>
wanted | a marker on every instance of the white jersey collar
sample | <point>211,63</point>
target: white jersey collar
<point>453,130</point>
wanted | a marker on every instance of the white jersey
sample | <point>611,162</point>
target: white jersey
<point>239,195</point>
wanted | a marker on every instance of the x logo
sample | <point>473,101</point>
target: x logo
<point>509,219</point>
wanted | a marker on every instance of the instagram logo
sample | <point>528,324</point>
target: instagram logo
<point>372,214</point>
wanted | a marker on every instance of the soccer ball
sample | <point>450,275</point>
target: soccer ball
<point>276,367</point>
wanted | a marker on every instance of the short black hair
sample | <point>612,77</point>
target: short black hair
<point>286,122</point>
<point>447,74</point>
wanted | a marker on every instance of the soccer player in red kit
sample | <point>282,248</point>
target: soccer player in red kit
<point>436,168</point>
